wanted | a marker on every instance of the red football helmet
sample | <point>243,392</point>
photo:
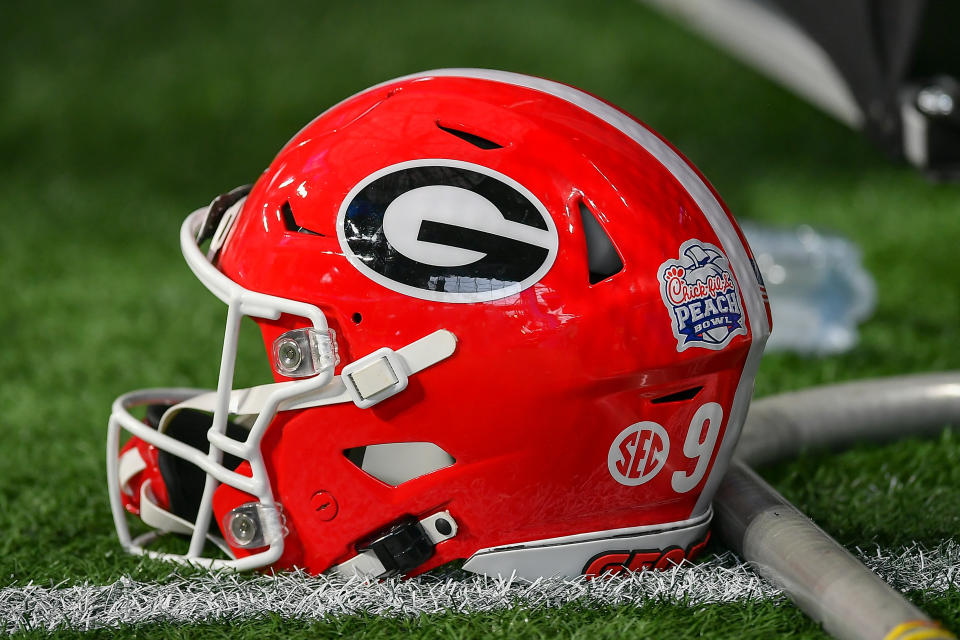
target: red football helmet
<point>508,323</point>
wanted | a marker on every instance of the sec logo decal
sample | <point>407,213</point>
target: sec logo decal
<point>638,453</point>
<point>447,231</point>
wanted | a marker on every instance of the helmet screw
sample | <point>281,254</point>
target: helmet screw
<point>289,355</point>
<point>325,505</point>
<point>442,526</point>
<point>243,528</point>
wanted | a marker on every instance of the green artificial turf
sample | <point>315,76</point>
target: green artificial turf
<point>753,621</point>
<point>117,119</point>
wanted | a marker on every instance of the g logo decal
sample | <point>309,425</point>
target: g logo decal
<point>447,231</point>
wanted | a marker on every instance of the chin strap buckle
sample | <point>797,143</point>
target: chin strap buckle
<point>404,547</point>
<point>384,373</point>
<point>375,377</point>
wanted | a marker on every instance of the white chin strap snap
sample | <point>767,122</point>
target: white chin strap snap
<point>375,377</point>
<point>385,372</point>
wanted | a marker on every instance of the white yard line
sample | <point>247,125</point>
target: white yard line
<point>296,595</point>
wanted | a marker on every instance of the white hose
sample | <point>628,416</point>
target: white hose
<point>833,416</point>
<point>785,546</point>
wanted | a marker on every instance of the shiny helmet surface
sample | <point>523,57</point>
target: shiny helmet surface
<point>507,322</point>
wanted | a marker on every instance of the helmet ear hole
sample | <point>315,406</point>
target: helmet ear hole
<point>603,260</point>
<point>397,462</point>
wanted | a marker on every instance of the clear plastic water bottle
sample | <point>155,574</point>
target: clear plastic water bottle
<point>818,287</point>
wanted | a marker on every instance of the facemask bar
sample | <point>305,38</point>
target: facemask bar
<point>240,302</point>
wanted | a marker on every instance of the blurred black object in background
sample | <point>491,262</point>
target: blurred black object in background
<point>887,67</point>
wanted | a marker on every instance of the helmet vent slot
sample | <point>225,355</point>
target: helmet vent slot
<point>397,462</point>
<point>472,138</point>
<point>679,396</point>
<point>290,224</point>
<point>603,260</point>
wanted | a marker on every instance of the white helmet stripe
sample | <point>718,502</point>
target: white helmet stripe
<point>670,159</point>
<point>708,203</point>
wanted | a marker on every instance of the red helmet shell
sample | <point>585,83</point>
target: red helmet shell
<point>551,387</point>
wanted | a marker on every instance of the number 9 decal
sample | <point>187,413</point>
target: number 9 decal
<point>699,446</point>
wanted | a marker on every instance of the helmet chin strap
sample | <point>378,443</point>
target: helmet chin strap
<point>131,463</point>
<point>365,382</point>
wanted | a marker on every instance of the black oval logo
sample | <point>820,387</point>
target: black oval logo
<point>448,231</point>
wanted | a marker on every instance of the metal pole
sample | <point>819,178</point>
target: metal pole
<point>819,575</point>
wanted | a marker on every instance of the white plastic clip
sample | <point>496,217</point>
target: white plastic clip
<point>375,377</point>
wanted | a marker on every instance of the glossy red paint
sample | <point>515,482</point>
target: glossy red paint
<point>542,382</point>
<point>550,390</point>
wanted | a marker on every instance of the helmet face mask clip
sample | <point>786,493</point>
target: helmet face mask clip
<point>300,353</point>
<point>480,351</point>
